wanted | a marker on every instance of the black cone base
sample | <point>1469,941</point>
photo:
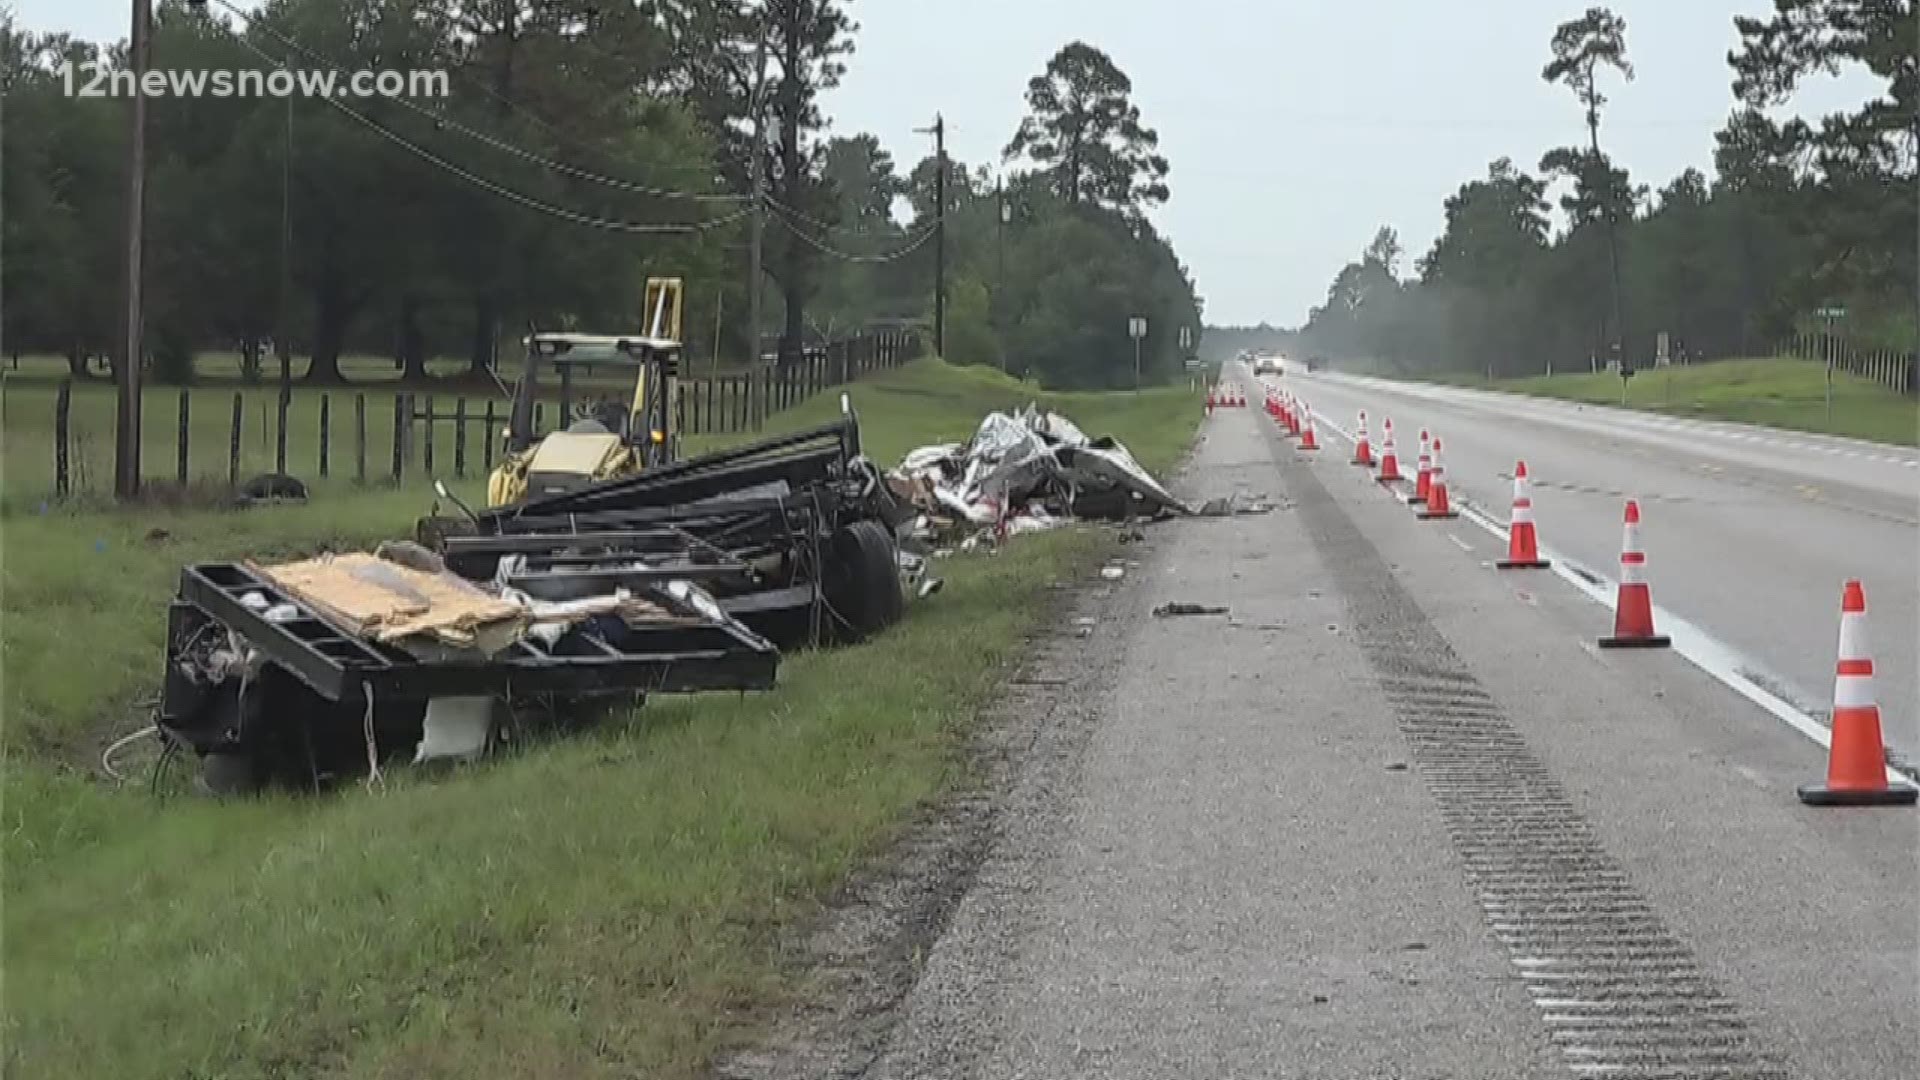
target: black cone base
<point>1657,641</point>
<point>1536,564</point>
<point>1891,795</point>
<point>1428,515</point>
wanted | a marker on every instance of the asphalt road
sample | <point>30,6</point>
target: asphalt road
<point>1392,815</point>
<point>1750,532</point>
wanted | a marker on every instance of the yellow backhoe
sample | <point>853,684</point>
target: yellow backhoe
<point>597,438</point>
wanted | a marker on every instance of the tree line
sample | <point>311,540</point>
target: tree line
<point>1801,227</point>
<point>585,146</point>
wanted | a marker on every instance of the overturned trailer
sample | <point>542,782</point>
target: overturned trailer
<point>803,523</point>
<point>687,578</point>
<point>271,679</point>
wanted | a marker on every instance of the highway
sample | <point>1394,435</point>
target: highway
<point>1392,814</point>
<point>1750,532</point>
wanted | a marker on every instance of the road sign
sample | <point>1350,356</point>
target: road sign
<point>1832,313</point>
<point>1137,327</point>
<point>1195,364</point>
<point>1186,338</point>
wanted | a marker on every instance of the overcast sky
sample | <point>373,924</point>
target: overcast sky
<point>1294,128</point>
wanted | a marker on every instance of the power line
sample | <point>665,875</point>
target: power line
<point>813,221</point>
<point>440,118</point>
<point>509,194</point>
<point>918,242</point>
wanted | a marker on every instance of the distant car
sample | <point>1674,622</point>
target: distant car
<point>1267,365</point>
<point>1315,363</point>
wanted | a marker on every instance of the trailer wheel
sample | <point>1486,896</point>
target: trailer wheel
<point>863,580</point>
<point>226,775</point>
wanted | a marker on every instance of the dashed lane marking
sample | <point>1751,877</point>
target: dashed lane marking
<point>1701,649</point>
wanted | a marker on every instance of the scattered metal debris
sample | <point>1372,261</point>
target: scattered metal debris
<point>1181,607</point>
<point>1235,506</point>
<point>1024,473</point>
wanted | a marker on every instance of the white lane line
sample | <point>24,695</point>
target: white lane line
<point>1548,408</point>
<point>1462,544</point>
<point>1700,648</point>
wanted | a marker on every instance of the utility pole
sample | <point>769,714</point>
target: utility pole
<point>126,445</point>
<point>1003,213</point>
<point>939,130</point>
<point>940,238</point>
<point>756,170</point>
<point>283,340</point>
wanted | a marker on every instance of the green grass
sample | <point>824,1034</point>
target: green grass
<point>598,907</point>
<point>27,446</point>
<point>1780,393</point>
<point>27,430</point>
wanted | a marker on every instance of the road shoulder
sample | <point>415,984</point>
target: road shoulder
<point>1209,859</point>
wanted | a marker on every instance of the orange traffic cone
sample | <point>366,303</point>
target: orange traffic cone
<point>1633,607</point>
<point>1389,458</point>
<point>1209,401</point>
<point>1362,450</point>
<point>1523,542</point>
<point>1307,441</point>
<point>1294,406</point>
<point>1423,473</point>
<point>1856,764</point>
<point>1438,505</point>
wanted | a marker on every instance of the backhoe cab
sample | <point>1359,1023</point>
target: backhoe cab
<point>599,437</point>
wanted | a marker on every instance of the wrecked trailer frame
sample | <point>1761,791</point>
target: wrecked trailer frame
<point>806,515</point>
<point>316,701</point>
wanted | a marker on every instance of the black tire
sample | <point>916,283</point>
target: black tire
<point>271,487</point>
<point>227,775</point>
<point>862,583</point>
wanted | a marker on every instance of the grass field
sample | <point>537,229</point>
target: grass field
<point>598,907</point>
<point>27,428</point>
<point>1777,393</point>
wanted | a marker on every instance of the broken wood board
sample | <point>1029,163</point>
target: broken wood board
<point>385,601</point>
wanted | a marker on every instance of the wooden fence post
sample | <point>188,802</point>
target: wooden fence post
<point>326,432</point>
<point>426,460</point>
<point>180,454</point>
<point>233,439</point>
<point>486,441</point>
<point>284,399</point>
<point>62,405</point>
<point>360,438</point>
<point>460,437</point>
<point>399,436</point>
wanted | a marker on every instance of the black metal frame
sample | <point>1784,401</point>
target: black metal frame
<point>761,512</point>
<point>693,653</point>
